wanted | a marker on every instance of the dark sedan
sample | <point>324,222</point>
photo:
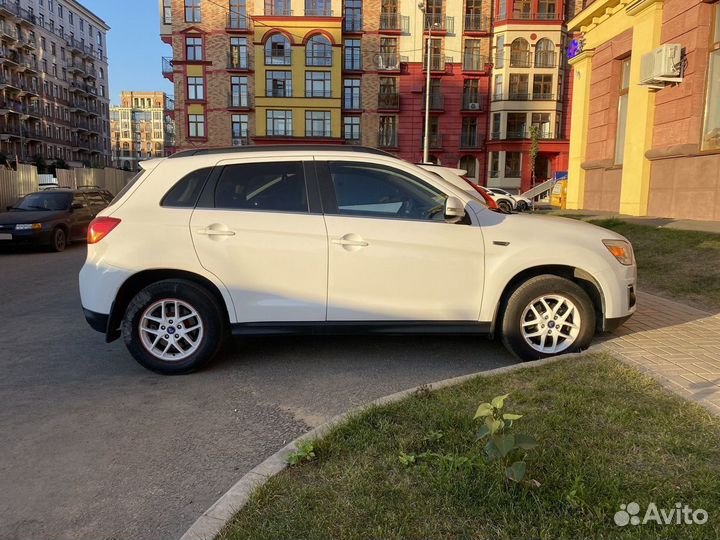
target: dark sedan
<point>52,218</point>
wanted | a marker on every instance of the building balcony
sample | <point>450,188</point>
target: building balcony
<point>520,134</point>
<point>79,87</point>
<point>279,93</point>
<point>520,59</point>
<point>470,140</point>
<point>389,101</point>
<point>389,61</point>
<point>545,59</point>
<point>437,22</point>
<point>75,67</point>
<point>10,131</point>
<point>437,102</point>
<point>436,141</point>
<point>80,125</point>
<point>475,62</point>
<point>319,11</point>
<point>32,133</point>
<point>27,42</point>
<point>26,17</point>
<point>387,139</point>
<point>31,110</point>
<point>528,15</point>
<point>91,73</point>
<point>476,23</point>
<point>272,10</point>
<point>8,31</point>
<point>523,96</point>
<point>238,22</point>
<point>78,106</point>
<point>28,65</point>
<point>8,82</point>
<point>8,106</point>
<point>167,67</point>
<point>438,62</point>
<point>473,102</point>
<point>390,22</point>
<point>238,62</point>
<point>9,57</point>
<point>238,101</point>
<point>9,9</point>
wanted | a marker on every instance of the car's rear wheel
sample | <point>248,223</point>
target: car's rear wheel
<point>58,241</point>
<point>505,206</point>
<point>173,327</point>
<point>546,316</point>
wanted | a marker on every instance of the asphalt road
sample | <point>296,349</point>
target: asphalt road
<point>94,446</point>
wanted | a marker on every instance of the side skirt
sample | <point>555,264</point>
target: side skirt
<point>360,328</point>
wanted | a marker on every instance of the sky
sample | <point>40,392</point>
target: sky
<point>134,48</point>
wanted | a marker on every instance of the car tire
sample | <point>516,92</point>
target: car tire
<point>58,241</point>
<point>522,206</point>
<point>173,327</point>
<point>505,206</point>
<point>564,314</point>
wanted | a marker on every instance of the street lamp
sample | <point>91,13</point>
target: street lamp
<point>426,140</point>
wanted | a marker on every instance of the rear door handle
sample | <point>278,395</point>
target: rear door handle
<point>349,241</point>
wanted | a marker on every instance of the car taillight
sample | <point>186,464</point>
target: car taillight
<point>489,200</point>
<point>100,227</point>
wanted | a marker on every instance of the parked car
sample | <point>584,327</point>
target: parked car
<point>458,179</point>
<point>52,217</point>
<point>311,238</point>
<point>521,203</point>
<point>506,203</point>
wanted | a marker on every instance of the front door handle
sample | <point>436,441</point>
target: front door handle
<point>216,230</point>
<point>350,241</point>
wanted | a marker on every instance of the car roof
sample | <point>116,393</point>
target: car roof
<point>280,148</point>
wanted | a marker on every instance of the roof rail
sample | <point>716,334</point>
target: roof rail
<point>280,148</point>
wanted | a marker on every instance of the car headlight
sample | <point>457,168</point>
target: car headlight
<point>28,226</point>
<point>621,250</point>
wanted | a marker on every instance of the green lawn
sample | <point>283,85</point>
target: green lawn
<point>608,435</point>
<point>681,265</point>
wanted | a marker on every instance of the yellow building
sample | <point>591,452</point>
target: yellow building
<point>644,144</point>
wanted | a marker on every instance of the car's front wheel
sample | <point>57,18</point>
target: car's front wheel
<point>522,206</point>
<point>173,327</point>
<point>545,316</point>
<point>58,240</point>
<point>505,206</point>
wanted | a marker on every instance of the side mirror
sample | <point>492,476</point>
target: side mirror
<point>8,207</point>
<point>454,210</point>
<point>76,206</point>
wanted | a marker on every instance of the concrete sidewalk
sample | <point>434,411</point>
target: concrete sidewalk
<point>657,222</point>
<point>675,343</point>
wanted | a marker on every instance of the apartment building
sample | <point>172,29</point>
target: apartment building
<point>354,71</point>
<point>141,128</point>
<point>53,82</point>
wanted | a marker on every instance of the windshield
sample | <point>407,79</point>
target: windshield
<point>44,201</point>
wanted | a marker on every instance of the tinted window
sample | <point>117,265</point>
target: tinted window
<point>363,189</point>
<point>127,187</point>
<point>95,199</point>
<point>278,187</point>
<point>185,193</point>
<point>79,198</point>
<point>45,201</point>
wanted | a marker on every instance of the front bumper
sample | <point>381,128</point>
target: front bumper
<point>97,321</point>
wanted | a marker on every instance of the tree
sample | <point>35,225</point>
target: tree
<point>534,147</point>
<point>40,164</point>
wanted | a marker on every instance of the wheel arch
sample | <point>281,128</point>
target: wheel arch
<point>583,278</point>
<point>140,280</point>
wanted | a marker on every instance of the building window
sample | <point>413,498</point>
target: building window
<point>387,135</point>
<point>622,112</point>
<point>516,125</point>
<point>317,124</point>
<point>389,97</point>
<point>167,11</point>
<point>353,16</point>
<point>469,165</point>
<point>469,133</point>
<point>318,51</point>
<point>500,52</point>
<point>544,54</point>
<point>193,48</point>
<point>502,9</point>
<point>520,53</point>
<point>542,122</point>
<point>494,164</point>
<point>239,92</point>
<point>238,15</point>
<point>518,86</point>
<point>192,10</point>
<point>240,128</point>
<point>437,60</point>
<point>277,51</point>
<point>512,164</point>
<point>711,129</point>
<point>542,87</point>
<point>389,15</point>
<point>498,92</point>
<point>318,84</point>
<point>196,88</point>
<point>353,58</point>
<point>196,125</point>
<point>238,53</point>
<point>278,7</point>
<point>472,59</point>
<point>388,58</point>
<point>351,94</point>
<point>279,123</point>
<point>278,83</point>
<point>317,8</point>
<point>471,94</point>
<point>351,129</point>
<point>547,9</point>
<point>522,9</point>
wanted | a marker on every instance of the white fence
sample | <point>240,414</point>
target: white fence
<point>15,184</point>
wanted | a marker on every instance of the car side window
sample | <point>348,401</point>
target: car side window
<point>79,198</point>
<point>269,186</point>
<point>185,193</point>
<point>95,199</point>
<point>365,189</point>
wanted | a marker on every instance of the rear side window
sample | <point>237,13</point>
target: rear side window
<point>272,187</point>
<point>185,193</point>
<point>127,187</point>
<point>95,199</point>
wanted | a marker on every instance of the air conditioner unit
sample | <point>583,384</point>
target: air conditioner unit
<point>661,67</point>
<point>474,106</point>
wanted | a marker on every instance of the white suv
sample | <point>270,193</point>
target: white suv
<point>295,239</point>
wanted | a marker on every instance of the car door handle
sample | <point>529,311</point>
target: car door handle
<point>341,242</point>
<point>216,232</point>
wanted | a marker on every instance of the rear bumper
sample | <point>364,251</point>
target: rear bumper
<point>25,238</point>
<point>97,321</point>
<point>613,324</point>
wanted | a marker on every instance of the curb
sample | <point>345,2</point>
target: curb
<point>211,522</point>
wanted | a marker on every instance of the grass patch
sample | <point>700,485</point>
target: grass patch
<point>608,435</point>
<point>682,265</point>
